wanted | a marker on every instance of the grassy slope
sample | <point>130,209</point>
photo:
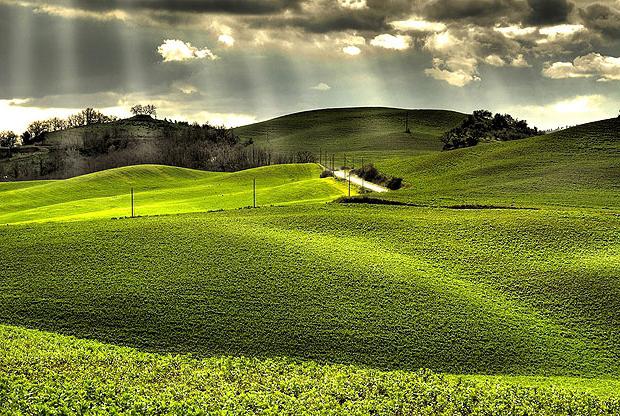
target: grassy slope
<point>370,132</point>
<point>576,167</point>
<point>505,292</point>
<point>42,373</point>
<point>162,190</point>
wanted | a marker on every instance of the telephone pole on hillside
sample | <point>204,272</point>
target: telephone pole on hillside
<point>407,123</point>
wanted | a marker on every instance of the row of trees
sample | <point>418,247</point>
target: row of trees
<point>86,117</point>
<point>37,129</point>
<point>483,125</point>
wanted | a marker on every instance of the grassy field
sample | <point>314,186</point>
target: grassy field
<point>315,307</point>
<point>575,167</point>
<point>162,190</point>
<point>373,133</point>
<point>490,292</point>
<point>42,373</point>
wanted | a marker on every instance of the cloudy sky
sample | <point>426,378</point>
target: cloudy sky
<point>552,62</point>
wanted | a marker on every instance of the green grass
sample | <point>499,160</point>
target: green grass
<point>475,292</point>
<point>162,190</point>
<point>373,133</point>
<point>575,167</point>
<point>42,373</point>
<point>518,308</point>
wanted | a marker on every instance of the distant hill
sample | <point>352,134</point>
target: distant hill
<point>579,166</point>
<point>134,141</point>
<point>162,190</point>
<point>134,128</point>
<point>374,132</point>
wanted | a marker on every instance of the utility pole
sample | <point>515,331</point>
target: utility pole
<point>349,184</point>
<point>320,156</point>
<point>254,192</point>
<point>132,205</point>
<point>407,123</point>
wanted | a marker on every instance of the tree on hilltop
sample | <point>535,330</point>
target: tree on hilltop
<point>37,128</point>
<point>482,125</point>
<point>144,110</point>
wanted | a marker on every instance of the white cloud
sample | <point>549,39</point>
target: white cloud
<point>518,61</point>
<point>321,87</point>
<point>495,60</point>
<point>606,68</point>
<point>387,41</point>
<point>415,24</point>
<point>456,63</point>
<point>457,72</point>
<point>575,110</point>
<point>353,4</point>
<point>516,31</point>
<point>351,50</point>
<point>443,42</point>
<point>174,50</point>
<point>559,32</point>
<point>226,40</point>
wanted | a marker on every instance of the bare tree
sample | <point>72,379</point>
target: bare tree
<point>57,124</point>
<point>144,110</point>
<point>137,110</point>
<point>150,110</point>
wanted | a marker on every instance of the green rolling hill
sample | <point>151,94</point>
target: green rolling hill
<point>579,166</point>
<point>375,133</point>
<point>458,291</point>
<point>162,190</point>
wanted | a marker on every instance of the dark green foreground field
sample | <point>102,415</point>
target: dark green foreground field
<point>323,308</point>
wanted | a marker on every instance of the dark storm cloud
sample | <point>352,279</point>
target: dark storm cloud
<point>484,12</point>
<point>549,12</point>
<point>602,18</point>
<point>192,6</point>
<point>333,22</point>
<point>327,16</point>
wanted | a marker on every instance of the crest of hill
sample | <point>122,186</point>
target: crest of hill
<point>372,131</point>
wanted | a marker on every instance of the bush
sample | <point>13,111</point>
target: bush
<point>394,183</point>
<point>327,174</point>
<point>369,173</point>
